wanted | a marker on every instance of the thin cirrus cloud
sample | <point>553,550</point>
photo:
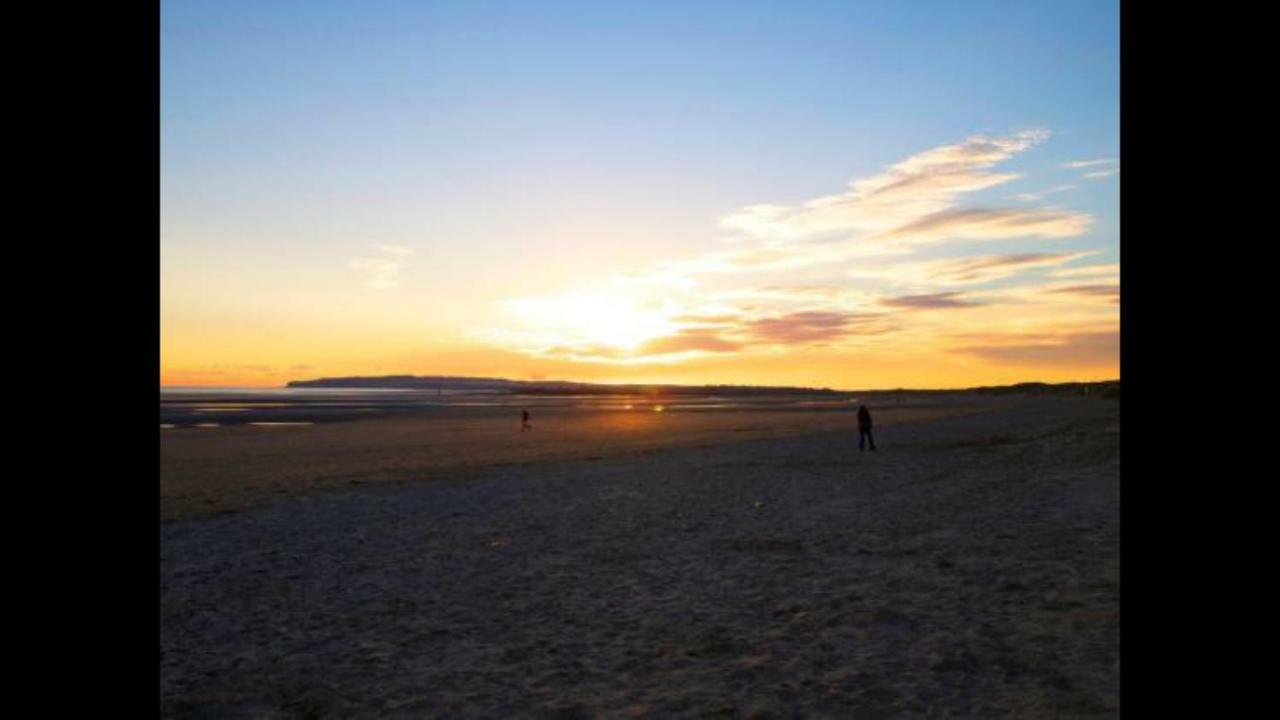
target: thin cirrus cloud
<point>761,293</point>
<point>690,340</point>
<point>1078,349</point>
<point>1080,294</point>
<point>812,327</point>
<point>912,204</point>
<point>1031,197</point>
<point>961,271</point>
<point>1099,290</point>
<point>1096,174</point>
<point>705,319</point>
<point>981,224</point>
<point>930,301</point>
<point>1107,270</point>
<point>914,201</point>
<point>735,333</point>
<point>1077,164</point>
<point>988,268</point>
<point>381,272</point>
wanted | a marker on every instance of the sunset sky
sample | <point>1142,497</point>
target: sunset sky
<point>845,194</point>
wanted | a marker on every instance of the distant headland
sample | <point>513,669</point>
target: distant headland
<point>1105,388</point>
<point>543,387</point>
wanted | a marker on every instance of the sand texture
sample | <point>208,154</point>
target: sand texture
<point>209,471</point>
<point>968,569</point>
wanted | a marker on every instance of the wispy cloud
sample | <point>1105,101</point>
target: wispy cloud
<point>980,224</point>
<point>1104,290</point>
<point>1100,174</point>
<point>381,272</point>
<point>1074,349</point>
<point>1031,197</point>
<point>985,268</point>
<point>732,333</point>
<point>689,340</point>
<point>973,270</point>
<point>910,204</point>
<point>921,186</point>
<point>932,301</point>
<point>813,327</point>
<point>1077,164</point>
<point>1100,163</point>
<point>1089,271</point>
<point>705,320</point>
<point>835,271</point>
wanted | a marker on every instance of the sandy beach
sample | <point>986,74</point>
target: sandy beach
<point>709,564</point>
<point>210,470</point>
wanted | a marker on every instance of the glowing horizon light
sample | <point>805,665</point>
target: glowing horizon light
<point>613,319</point>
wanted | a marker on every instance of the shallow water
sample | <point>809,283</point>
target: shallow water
<point>185,406</point>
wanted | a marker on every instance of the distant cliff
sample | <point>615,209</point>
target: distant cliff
<point>1106,388</point>
<point>543,387</point>
<point>408,382</point>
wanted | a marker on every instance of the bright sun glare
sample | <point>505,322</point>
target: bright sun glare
<point>604,319</point>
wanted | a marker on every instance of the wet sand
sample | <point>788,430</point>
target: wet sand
<point>968,568</point>
<point>208,471</point>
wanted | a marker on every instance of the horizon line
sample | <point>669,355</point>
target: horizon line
<point>651,384</point>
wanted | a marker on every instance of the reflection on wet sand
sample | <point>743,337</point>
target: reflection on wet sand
<point>245,464</point>
<point>187,408</point>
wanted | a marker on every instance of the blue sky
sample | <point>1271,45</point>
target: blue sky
<point>584,138</point>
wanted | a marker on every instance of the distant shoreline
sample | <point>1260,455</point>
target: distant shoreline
<point>218,407</point>
<point>410,385</point>
<point>548,387</point>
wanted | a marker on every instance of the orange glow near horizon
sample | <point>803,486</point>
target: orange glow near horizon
<point>893,282</point>
<point>807,368</point>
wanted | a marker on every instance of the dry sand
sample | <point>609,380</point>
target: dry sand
<point>969,568</point>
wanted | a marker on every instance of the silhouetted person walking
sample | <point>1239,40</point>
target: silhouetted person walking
<point>524,421</point>
<point>864,429</point>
